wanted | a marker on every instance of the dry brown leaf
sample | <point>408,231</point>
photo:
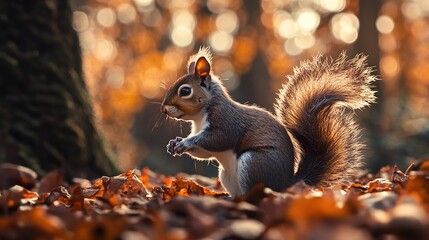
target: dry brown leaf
<point>33,224</point>
<point>379,185</point>
<point>399,177</point>
<point>14,197</point>
<point>121,206</point>
<point>12,174</point>
<point>181,187</point>
<point>50,181</point>
<point>307,211</point>
<point>103,227</point>
<point>418,186</point>
<point>127,184</point>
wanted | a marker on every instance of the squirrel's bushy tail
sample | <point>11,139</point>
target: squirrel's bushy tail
<point>314,105</point>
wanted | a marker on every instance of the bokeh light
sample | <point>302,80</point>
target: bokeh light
<point>126,13</point>
<point>344,27</point>
<point>115,76</point>
<point>181,36</point>
<point>145,6</point>
<point>80,21</point>
<point>388,43</point>
<point>412,9</point>
<point>384,24</point>
<point>183,18</point>
<point>305,40</point>
<point>227,21</point>
<point>132,47</point>
<point>285,25</point>
<point>307,19</point>
<point>106,17</point>
<point>333,5</point>
<point>144,3</point>
<point>217,6</point>
<point>390,66</point>
<point>291,47</point>
<point>183,24</point>
<point>105,50</point>
<point>221,41</point>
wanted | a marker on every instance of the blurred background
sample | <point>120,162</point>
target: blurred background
<point>132,47</point>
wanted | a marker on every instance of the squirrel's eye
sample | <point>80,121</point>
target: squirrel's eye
<point>185,91</point>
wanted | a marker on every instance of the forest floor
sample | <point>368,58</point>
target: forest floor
<point>141,204</point>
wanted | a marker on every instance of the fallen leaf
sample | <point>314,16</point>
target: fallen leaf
<point>50,181</point>
<point>12,174</point>
<point>379,185</point>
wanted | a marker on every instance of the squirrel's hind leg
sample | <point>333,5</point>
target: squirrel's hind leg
<point>256,167</point>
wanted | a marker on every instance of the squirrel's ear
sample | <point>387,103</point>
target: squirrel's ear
<point>202,67</point>
<point>202,70</point>
<point>191,67</point>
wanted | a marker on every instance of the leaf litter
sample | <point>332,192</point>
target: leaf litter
<point>142,204</point>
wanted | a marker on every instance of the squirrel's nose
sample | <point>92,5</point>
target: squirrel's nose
<point>164,109</point>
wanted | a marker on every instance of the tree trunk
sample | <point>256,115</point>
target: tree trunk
<point>367,43</point>
<point>46,117</point>
<point>255,87</point>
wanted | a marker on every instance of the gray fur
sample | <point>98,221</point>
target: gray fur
<point>312,132</point>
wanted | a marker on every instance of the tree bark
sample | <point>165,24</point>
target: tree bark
<point>46,116</point>
<point>367,43</point>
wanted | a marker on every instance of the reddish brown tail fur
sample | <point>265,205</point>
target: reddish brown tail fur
<point>316,105</point>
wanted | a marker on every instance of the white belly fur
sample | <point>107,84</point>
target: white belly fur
<point>199,123</point>
<point>228,164</point>
<point>228,174</point>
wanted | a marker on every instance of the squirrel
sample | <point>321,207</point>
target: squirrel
<point>312,136</point>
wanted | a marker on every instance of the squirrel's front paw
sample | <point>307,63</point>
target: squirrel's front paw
<point>180,148</point>
<point>172,146</point>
